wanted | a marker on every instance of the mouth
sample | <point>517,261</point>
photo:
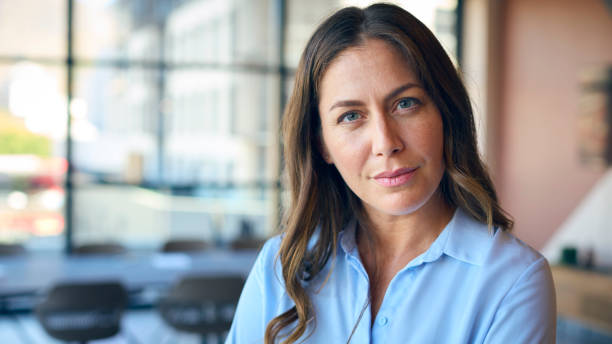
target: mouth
<point>398,177</point>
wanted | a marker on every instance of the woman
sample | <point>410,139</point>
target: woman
<point>394,233</point>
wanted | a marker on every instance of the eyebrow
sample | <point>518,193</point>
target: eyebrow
<point>393,94</point>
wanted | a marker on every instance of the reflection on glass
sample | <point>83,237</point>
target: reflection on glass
<point>32,167</point>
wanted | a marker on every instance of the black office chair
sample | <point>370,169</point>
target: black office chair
<point>99,248</point>
<point>11,249</point>
<point>202,304</point>
<point>82,311</point>
<point>246,244</point>
<point>185,245</point>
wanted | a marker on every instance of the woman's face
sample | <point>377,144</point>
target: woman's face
<point>381,130</point>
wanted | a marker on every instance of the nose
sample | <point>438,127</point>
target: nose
<point>386,138</point>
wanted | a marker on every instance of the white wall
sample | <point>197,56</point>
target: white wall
<point>589,226</point>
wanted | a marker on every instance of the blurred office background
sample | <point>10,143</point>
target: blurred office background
<point>136,122</point>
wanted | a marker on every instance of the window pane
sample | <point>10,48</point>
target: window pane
<point>304,16</point>
<point>33,28</point>
<point>219,121</point>
<point>302,19</point>
<point>219,151</point>
<point>197,31</point>
<point>142,218</point>
<point>118,29</point>
<point>115,119</point>
<point>32,167</point>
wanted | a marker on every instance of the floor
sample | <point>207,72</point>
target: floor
<point>138,327</point>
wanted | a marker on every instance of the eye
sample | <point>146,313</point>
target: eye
<point>349,117</point>
<point>407,103</point>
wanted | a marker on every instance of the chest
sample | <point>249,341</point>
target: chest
<point>380,276</point>
<point>379,283</point>
<point>417,306</point>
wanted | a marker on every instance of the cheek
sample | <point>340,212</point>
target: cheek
<point>438,140</point>
<point>429,137</point>
<point>347,152</point>
<point>435,150</point>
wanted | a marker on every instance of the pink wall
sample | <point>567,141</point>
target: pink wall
<point>546,45</point>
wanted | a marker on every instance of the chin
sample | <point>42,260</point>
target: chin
<point>398,208</point>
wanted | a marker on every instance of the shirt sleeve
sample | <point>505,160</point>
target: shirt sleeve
<point>528,312</point>
<point>249,323</point>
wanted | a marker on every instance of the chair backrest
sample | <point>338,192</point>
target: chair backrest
<point>202,304</point>
<point>11,249</point>
<point>246,244</point>
<point>82,311</point>
<point>99,248</point>
<point>185,245</point>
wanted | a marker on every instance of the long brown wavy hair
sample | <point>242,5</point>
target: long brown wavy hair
<point>320,201</point>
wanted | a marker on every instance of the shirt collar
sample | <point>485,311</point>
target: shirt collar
<point>346,238</point>
<point>467,240</point>
<point>463,238</point>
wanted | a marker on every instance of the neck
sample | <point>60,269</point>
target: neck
<point>402,237</point>
<point>390,242</point>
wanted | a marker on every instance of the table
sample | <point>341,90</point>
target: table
<point>584,296</point>
<point>144,275</point>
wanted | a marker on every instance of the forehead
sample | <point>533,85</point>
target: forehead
<point>373,64</point>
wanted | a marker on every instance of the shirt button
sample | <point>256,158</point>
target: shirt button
<point>382,321</point>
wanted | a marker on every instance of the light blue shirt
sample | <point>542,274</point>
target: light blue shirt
<point>470,286</point>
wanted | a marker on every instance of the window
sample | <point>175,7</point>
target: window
<point>175,108</point>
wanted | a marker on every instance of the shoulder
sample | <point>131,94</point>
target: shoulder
<point>518,273</point>
<point>500,258</point>
<point>512,278</point>
<point>473,241</point>
<point>267,273</point>
<point>270,248</point>
<point>263,297</point>
<point>267,267</point>
<point>524,289</point>
<point>527,269</point>
<point>514,256</point>
<point>507,247</point>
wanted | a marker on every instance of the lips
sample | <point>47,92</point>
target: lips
<point>398,177</point>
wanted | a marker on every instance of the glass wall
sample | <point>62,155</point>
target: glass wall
<point>175,108</point>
